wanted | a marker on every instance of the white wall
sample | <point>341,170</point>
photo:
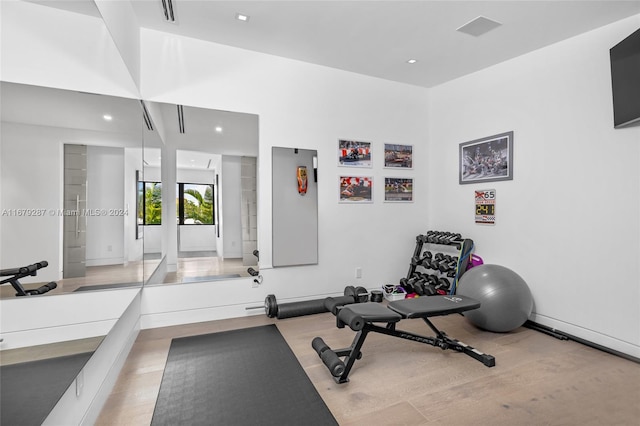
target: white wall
<point>32,178</point>
<point>31,182</point>
<point>58,318</point>
<point>568,223</point>
<point>105,192</point>
<point>309,107</point>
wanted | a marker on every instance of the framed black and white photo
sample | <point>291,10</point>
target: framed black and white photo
<point>398,156</point>
<point>354,153</point>
<point>488,159</point>
<point>398,190</point>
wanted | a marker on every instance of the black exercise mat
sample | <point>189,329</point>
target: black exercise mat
<point>108,286</point>
<point>240,377</point>
<point>30,390</point>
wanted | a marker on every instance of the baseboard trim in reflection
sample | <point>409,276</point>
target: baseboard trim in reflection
<point>107,286</point>
<point>209,278</point>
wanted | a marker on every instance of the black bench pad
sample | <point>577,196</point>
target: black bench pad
<point>369,312</point>
<point>431,306</point>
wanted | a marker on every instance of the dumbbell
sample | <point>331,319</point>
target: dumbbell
<point>432,279</point>
<point>447,264</point>
<point>443,283</point>
<point>434,237</point>
<point>450,238</point>
<point>360,294</point>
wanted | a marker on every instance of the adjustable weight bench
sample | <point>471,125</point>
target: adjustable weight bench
<point>361,318</point>
<point>15,274</point>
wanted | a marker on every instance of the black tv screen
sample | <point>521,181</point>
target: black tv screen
<point>625,80</point>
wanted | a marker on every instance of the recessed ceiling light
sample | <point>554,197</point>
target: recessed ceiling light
<point>242,17</point>
<point>412,61</point>
<point>107,117</point>
<point>218,129</point>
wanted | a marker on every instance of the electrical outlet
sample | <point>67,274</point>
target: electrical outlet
<point>358,272</point>
<point>109,248</point>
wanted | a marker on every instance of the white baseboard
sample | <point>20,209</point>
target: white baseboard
<point>588,335</point>
<point>166,319</point>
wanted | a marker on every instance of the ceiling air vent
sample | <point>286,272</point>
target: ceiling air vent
<point>167,9</point>
<point>145,117</point>
<point>479,26</point>
<point>180,119</point>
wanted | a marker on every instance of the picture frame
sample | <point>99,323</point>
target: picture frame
<point>353,153</point>
<point>355,189</point>
<point>398,156</point>
<point>398,190</point>
<point>488,159</point>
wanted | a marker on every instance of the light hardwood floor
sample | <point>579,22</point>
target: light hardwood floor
<point>188,268</point>
<point>537,380</point>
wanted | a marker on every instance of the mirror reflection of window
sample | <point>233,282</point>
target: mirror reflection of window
<point>195,204</point>
<point>152,205</point>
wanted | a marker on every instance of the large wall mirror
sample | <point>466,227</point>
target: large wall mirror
<point>212,189</point>
<point>70,163</point>
<point>295,206</point>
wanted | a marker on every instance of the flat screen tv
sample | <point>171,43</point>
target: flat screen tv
<point>625,80</point>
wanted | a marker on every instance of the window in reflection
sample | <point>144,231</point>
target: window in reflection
<point>151,213</point>
<point>195,204</point>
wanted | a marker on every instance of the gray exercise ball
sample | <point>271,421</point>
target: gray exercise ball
<point>505,299</point>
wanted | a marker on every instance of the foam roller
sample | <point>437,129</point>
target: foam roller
<point>297,309</point>
<point>329,358</point>
<point>353,320</point>
<point>331,303</point>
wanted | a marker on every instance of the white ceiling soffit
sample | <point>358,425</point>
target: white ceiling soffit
<point>377,38</point>
<point>85,7</point>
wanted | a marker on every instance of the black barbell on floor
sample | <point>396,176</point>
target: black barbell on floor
<point>308,307</point>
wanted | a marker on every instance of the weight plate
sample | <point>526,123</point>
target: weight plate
<point>350,291</point>
<point>362,295</point>
<point>271,306</point>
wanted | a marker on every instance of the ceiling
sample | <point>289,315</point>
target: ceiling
<point>237,133</point>
<point>376,38</point>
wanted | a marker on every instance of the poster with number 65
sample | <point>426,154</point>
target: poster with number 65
<point>486,206</point>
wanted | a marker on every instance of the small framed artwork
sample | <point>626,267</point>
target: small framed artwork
<point>356,189</point>
<point>488,159</point>
<point>398,156</point>
<point>398,189</point>
<point>354,153</point>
